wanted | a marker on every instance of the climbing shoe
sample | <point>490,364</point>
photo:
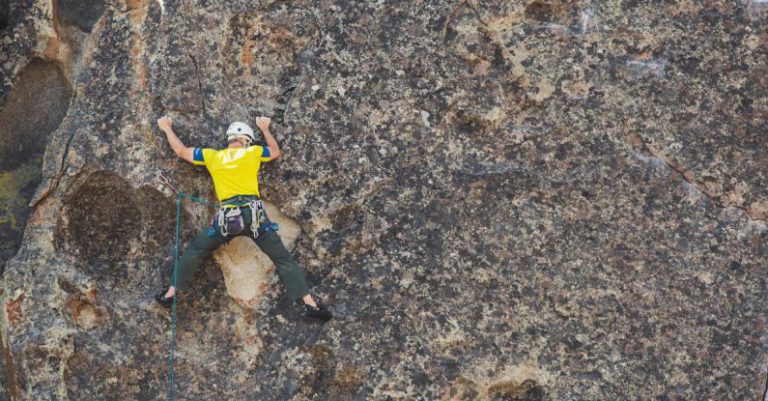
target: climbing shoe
<point>320,312</point>
<point>160,297</point>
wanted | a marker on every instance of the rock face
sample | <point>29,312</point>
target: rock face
<point>501,200</point>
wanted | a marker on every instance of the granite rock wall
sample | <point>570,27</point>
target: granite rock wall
<point>501,200</point>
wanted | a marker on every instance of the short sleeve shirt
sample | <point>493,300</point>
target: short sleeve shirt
<point>234,171</point>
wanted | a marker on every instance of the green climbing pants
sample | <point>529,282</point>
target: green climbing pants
<point>291,274</point>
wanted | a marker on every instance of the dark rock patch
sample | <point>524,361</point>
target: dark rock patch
<point>80,13</point>
<point>157,233</point>
<point>4,11</point>
<point>91,375</point>
<point>540,11</point>
<point>346,384</point>
<point>528,390</point>
<point>552,12</point>
<point>102,219</point>
<point>34,109</point>
<point>324,363</point>
<point>158,214</point>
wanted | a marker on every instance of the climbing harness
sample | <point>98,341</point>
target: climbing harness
<point>231,221</point>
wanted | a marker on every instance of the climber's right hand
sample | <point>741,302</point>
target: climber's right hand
<point>164,123</point>
<point>263,122</point>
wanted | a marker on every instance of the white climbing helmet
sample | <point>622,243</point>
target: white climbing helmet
<point>238,129</point>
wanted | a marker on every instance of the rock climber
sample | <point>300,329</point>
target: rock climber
<point>234,171</point>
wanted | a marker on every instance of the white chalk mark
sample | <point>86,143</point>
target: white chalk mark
<point>556,27</point>
<point>650,160</point>
<point>584,17</point>
<point>486,168</point>
<point>524,128</point>
<point>655,67</point>
<point>162,6</point>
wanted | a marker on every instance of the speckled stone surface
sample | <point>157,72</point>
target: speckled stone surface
<point>501,200</point>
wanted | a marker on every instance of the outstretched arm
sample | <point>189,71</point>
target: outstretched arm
<point>182,151</point>
<point>274,148</point>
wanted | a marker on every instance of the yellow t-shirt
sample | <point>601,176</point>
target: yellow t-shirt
<point>234,171</point>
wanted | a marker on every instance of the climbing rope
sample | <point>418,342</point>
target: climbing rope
<point>179,196</point>
<point>175,276</point>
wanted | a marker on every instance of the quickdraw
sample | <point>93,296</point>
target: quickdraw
<point>258,216</point>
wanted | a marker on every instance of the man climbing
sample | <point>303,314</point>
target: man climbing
<point>234,171</point>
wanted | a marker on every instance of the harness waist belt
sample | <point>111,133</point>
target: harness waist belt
<point>239,201</point>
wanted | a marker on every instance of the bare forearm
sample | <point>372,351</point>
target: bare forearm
<point>274,148</point>
<point>178,146</point>
<point>174,141</point>
<point>270,139</point>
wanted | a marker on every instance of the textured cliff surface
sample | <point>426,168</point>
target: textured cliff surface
<point>502,200</point>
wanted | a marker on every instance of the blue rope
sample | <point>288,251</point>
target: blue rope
<point>175,277</point>
<point>198,200</point>
<point>179,196</point>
